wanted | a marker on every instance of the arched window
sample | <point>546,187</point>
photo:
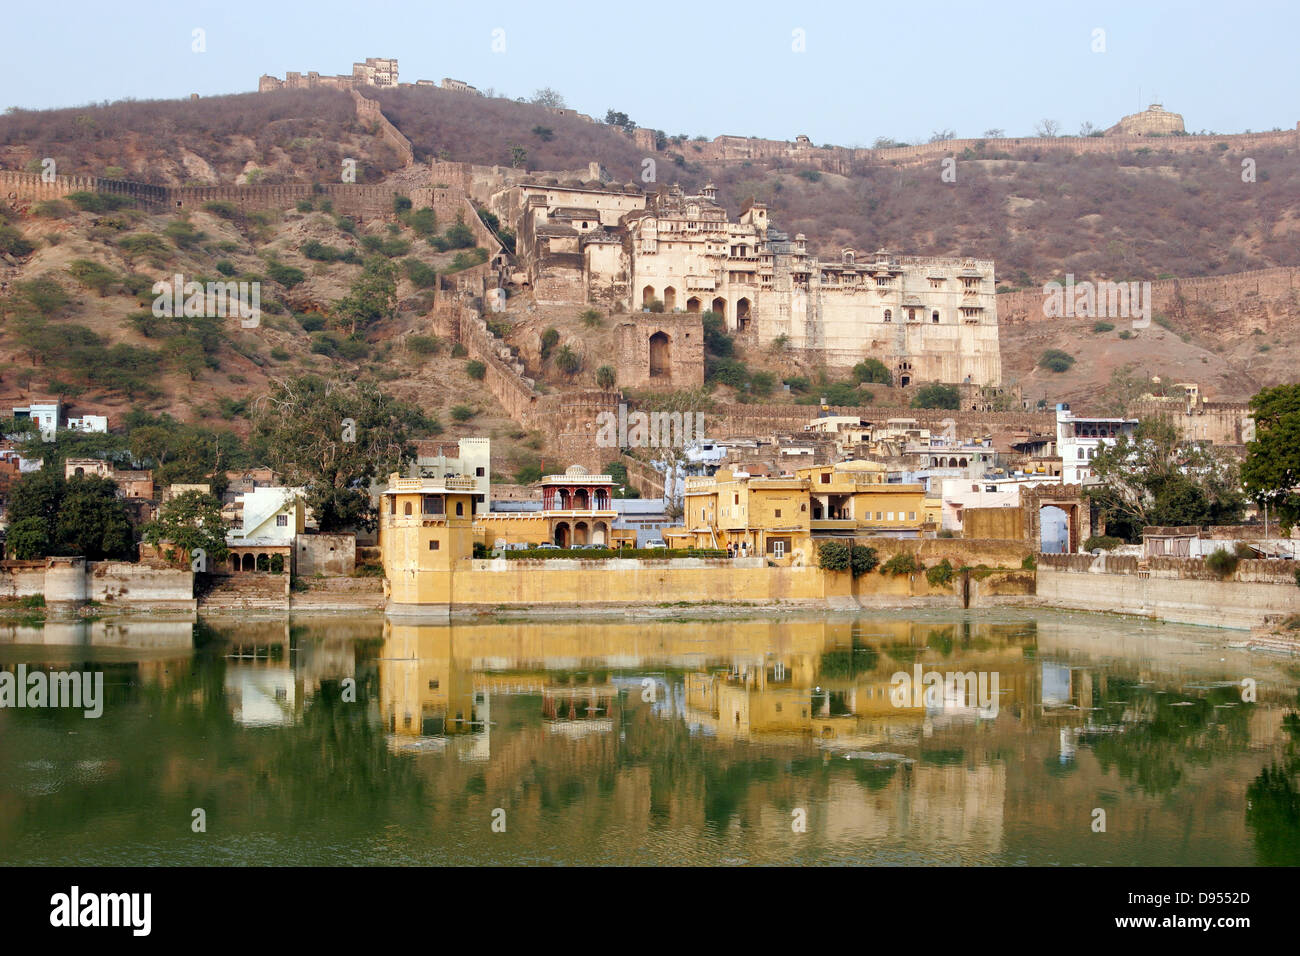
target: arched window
<point>934,316</point>
<point>406,508</point>
<point>460,508</point>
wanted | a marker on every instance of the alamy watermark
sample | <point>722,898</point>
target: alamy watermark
<point>933,689</point>
<point>649,430</point>
<point>1098,300</point>
<point>71,689</point>
<point>175,298</point>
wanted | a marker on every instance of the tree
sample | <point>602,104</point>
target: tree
<point>1047,128</point>
<point>1086,128</point>
<point>518,156</point>
<point>28,539</point>
<point>192,520</point>
<point>937,395</point>
<point>621,120</point>
<point>568,361</point>
<point>942,135</point>
<point>93,275</point>
<point>995,133</point>
<point>1155,478</point>
<point>299,429</point>
<point>373,296</point>
<point>605,376</point>
<point>872,371</point>
<point>1271,472</point>
<point>548,97</point>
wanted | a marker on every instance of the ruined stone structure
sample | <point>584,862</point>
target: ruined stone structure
<point>1153,121</point>
<point>927,319</point>
<point>373,71</point>
<point>661,351</point>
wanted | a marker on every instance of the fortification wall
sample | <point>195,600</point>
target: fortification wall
<point>740,421</point>
<point>368,112</point>
<point>840,159</point>
<point>1241,300</point>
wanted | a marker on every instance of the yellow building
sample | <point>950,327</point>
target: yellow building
<point>853,497</point>
<point>577,508</point>
<point>756,516</point>
<point>426,528</point>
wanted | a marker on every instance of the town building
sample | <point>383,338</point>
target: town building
<point>1078,439</point>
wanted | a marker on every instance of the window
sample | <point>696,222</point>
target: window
<point>392,506</point>
<point>460,508</point>
<point>934,316</point>
<point>891,516</point>
<point>432,504</point>
<point>826,477</point>
<point>911,516</point>
<point>479,472</point>
<point>735,499</point>
<point>282,521</point>
<point>889,316</point>
<point>879,516</point>
<point>406,508</point>
<point>778,549</point>
<point>778,512</point>
<point>433,545</point>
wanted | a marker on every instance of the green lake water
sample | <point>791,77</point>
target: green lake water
<point>358,741</point>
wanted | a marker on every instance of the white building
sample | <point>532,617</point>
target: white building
<point>1078,439</point>
<point>271,516</point>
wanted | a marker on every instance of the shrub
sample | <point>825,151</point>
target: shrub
<point>591,318</point>
<point>941,574</point>
<point>475,369</point>
<point>872,371</point>
<point>568,361</point>
<point>311,323</point>
<point>1126,334</point>
<point>937,395</point>
<point>224,210</point>
<point>183,234</point>
<point>550,339</point>
<point>320,252</point>
<point>834,555</point>
<point>902,563</point>
<point>862,560</point>
<point>97,202</point>
<point>52,209</point>
<point>423,222</point>
<point>459,351</point>
<point>1243,551</point>
<point>93,275</point>
<point>1054,360</point>
<point>287,276</point>
<point>401,204</point>
<point>1222,562</point>
<point>462,413</point>
<point>1102,542</point>
<point>304,205</point>
<point>605,376</point>
<point>421,274</point>
<point>226,267</point>
<point>279,354</point>
<point>1103,327</point>
<point>424,344</point>
<point>1030,562</point>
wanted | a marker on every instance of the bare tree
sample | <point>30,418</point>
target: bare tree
<point>995,133</point>
<point>942,136</point>
<point>1047,128</point>
<point>548,97</point>
<point>1086,129</point>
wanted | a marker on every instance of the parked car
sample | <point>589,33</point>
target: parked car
<point>656,543</point>
<point>548,547</point>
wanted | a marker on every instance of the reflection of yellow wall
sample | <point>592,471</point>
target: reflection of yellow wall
<point>420,678</point>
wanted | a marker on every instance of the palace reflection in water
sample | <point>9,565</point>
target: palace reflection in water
<point>370,741</point>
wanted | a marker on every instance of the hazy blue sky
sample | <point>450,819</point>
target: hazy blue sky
<point>901,70</point>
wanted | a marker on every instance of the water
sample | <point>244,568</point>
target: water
<point>631,741</point>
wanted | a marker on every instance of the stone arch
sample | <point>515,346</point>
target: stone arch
<point>1054,530</point>
<point>661,351</point>
<point>693,304</point>
<point>647,296</point>
<point>742,314</point>
<point>263,561</point>
<point>406,508</point>
<point>234,563</point>
<point>580,500</point>
<point>719,307</point>
<point>581,531</point>
<point>79,471</point>
<point>670,299</point>
<point>249,562</point>
<point>561,536</point>
<point>600,533</point>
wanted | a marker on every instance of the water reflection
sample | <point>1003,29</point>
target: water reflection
<point>368,740</point>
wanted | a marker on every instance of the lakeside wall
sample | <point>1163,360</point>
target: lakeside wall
<point>1177,590</point>
<point>71,581</point>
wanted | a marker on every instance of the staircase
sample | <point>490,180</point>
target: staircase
<point>245,592</point>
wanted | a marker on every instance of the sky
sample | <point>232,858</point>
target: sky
<point>839,73</point>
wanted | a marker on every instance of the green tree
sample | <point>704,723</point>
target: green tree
<point>92,520</point>
<point>937,395</point>
<point>187,522</point>
<point>1271,471</point>
<point>605,376</point>
<point>93,275</point>
<point>300,430</point>
<point>872,371</point>
<point>373,296</point>
<point>1155,478</point>
<point>568,361</point>
<point>28,539</point>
